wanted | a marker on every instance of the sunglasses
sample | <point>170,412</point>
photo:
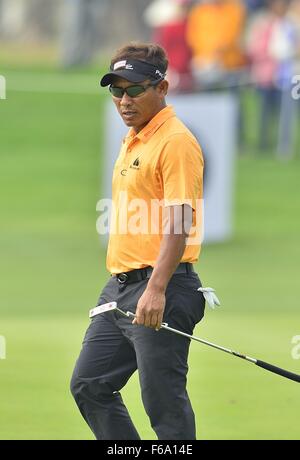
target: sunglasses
<point>131,91</point>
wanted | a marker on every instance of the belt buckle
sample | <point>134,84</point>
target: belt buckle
<point>122,278</point>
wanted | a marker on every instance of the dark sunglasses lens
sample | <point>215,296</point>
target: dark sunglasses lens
<point>116,92</point>
<point>134,91</point>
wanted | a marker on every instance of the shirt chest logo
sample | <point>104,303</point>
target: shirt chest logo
<point>135,164</point>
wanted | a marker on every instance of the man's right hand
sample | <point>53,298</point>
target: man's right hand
<point>150,308</point>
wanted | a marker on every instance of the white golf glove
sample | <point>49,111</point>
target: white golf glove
<point>210,297</point>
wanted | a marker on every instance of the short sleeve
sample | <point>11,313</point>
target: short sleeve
<point>181,164</point>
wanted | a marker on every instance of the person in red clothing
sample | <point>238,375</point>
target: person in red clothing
<point>168,19</point>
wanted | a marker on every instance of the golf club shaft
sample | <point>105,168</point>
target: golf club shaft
<point>262,364</point>
<point>205,342</point>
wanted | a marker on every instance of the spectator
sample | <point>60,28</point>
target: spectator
<point>272,47</point>
<point>294,16</point>
<point>214,34</point>
<point>168,18</point>
<point>79,41</point>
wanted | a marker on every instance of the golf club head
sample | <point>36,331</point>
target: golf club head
<point>110,306</point>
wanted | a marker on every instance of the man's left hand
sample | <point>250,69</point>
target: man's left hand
<point>150,308</point>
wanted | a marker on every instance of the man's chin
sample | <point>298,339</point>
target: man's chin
<point>130,120</point>
<point>128,123</point>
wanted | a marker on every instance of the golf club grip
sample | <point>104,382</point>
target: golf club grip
<point>279,371</point>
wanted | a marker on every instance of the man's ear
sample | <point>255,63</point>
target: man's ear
<point>163,87</point>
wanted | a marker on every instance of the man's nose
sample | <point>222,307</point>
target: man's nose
<point>126,99</point>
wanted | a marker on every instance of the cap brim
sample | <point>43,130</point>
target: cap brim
<point>126,74</point>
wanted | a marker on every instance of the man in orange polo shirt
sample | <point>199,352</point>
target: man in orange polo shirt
<point>154,240</point>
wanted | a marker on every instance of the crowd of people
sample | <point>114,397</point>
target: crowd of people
<point>214,44</point>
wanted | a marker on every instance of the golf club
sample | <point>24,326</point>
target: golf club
<point>111,306</point>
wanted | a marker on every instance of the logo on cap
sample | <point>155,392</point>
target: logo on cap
<point>123,64</point>
<point>159,73</point>
<point>119,64</point>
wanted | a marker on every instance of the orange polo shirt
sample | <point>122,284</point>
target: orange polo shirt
<point>161,166</point>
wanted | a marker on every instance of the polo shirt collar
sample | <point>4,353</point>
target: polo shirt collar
<point>147,132</point>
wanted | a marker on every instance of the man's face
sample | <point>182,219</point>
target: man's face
<point>137,111</point>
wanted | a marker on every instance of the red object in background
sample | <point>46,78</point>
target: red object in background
<point>171,37</point>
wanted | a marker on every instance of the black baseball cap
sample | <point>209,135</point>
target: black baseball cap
<point>132,70</point>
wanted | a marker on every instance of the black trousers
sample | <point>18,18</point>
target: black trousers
<point>113,349</point>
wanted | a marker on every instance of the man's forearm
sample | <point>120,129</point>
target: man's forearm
<point>151,305</point>
<point>172,246</point>
<point>171,251</point>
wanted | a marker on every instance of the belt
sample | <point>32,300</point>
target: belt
<point>141,274</point>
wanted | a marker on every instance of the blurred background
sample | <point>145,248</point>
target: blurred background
<point>55,157</point>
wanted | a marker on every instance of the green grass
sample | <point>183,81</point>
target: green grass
<point>232,399</point>
<point>52,268</point>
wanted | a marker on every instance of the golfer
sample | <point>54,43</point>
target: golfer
<point>150,256</point>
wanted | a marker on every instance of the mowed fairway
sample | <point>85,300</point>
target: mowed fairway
<point>52,268</point>
<point>232,399</point>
